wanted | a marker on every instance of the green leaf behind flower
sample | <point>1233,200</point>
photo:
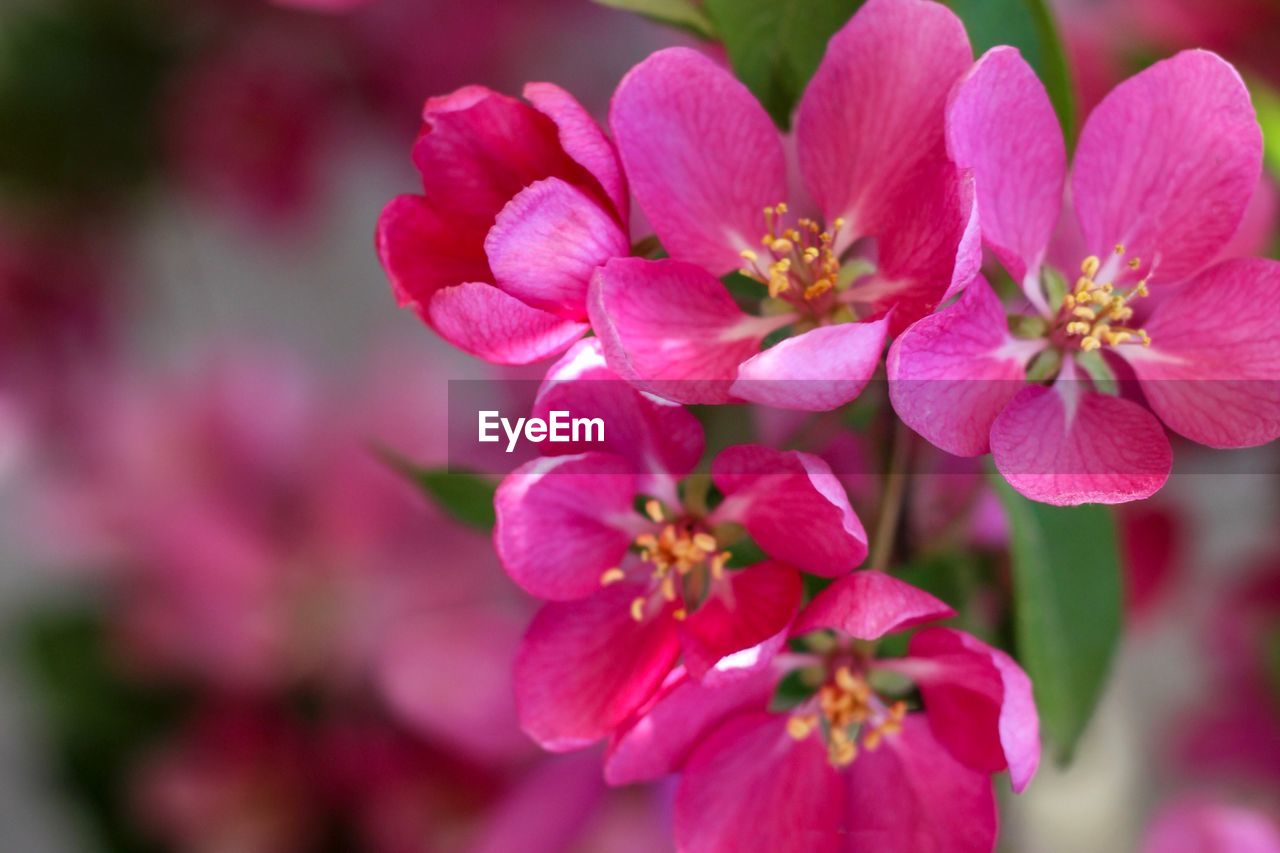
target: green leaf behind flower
<point>684,14</point>
<point>465,496</point>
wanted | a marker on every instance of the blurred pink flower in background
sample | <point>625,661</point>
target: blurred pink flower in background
<point>1200,825</point>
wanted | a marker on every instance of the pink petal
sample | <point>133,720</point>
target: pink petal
<point>1066,445</point>
<point>752,787</point>
<point>585,666</point>
<point>868,605</point>
<point>545,810</point>
<point>495,326</point>
<point>1167,163</point>
<point>792,506</point>
<point>671,328</point>
<point>872,117</point>
<point>749,607</point>
<point>659,437</point>
<point>662,736</point>
<point>816,371</point>
<point>953,372</point>
<point>479,148</point>
<point>979,703</point>
<point>422,251</point>
<point>1195,825</point>
<point>563,521</point>
<point>703,157</point>
<point>910,794</point>
<point>1212,372</point>
<point>546,243</point>
<point>1001,125</point>
<point>583,140</point>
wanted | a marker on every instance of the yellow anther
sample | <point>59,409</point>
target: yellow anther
<point>748,255</point>
<point>1084,312</point>
<point>611,576</point>
<point>1090,343</point>
<point>842,753</point>
<point>1078,328</point>
<point>637,609</point>
<point>680,614</point>
<point>781,246</point>
<point>811,254</point>
<point>1089,266</point>
<point>1146,339</point>
<point>1117,337</point>
<point>838,223</point>
<point>845,680</point>
<point>1135,263</point>
<point>1119,248</point>
<point>653,509</point>
<point>647,541</point>
<point>717,564</point>
<point>1140,290</point>
<point>802,725</point>
<point>669,588</point>
<point>898,710</point>
<point>818,288</point>
<point>781,208</point>
<point>871,740</point>
<point>705,541</point>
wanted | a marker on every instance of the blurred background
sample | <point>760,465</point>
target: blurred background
<point>226,625</point>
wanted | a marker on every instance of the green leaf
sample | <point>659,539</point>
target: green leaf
<point>1027,25</point>
<point>466,496</point>
<point>685,14</point>
<point>776,45</point>
<point>1266,101</point>
<point>1067,608</point>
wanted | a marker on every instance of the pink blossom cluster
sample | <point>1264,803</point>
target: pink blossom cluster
<point>718,617</point>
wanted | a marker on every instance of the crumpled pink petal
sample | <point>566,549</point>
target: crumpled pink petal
<point>671,328</point>
<point>792,505</point>
<point>661,737</point>
<point>752,787</point>
<point>816,371</point>
<point>910,794</point>
<point>703,157</point>
<point>978,701</point>
<point>562,521</point>
<point>1066,445</point>
<point>546,243</point>
<point>482,320</point>
<point>585,666</point>
<point>1166,165</point>
<point>422,251</point>
<point>1001,125</point>
<point>872,116</point>
<point>583,140</point>
<point>867,605</point>
<point>1212,372</point>
<point>660,438</point>
<point>953,372</point>
<point>749,608</point>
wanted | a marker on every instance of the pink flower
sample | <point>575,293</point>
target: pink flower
<point>885,237</point>
<point>522,201</point>
<point>1198,825</point>
<point>634,560</point>
<point>1164,170</point>
<point>848,764</point>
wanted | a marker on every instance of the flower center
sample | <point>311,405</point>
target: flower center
<point>682,559</point>
<point>1095,314</point>
<point>798,264</point>
<point>848,713</point>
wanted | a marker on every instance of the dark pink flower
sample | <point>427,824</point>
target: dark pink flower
<point>871,238</point>
<point>1199,825</point>
<point>1164,170</point>
<point>522,201</point>
<point>848,764</point>
<point>632,553</point>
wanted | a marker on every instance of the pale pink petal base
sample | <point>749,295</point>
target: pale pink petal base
<point>816,371</point>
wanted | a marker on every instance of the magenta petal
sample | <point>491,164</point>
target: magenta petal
<point>662,438</point>
<point>872,116</point>
<point>867,605</point>
<point>583,140</point>
<point>752,787</point>
<point>495,326</point>
<point>1193,824</point>
<point>585,666</point>
<point>546,243</point>
<point>661,737</point>
<point>671,328</point>
<point>1167,163</point>
<point>1001,125</point>
<point>1212,372</point>
<point>792,506</point>
<point>563,521</point>
<point>703,157</point>
<point>545,810</point>
<point>1065,445</point>
<point>910,794</point>
<point>816,371</point>
<point>953,372</point>
<point>751,606</point>
<point>422,251</point>
<point>978,701</point>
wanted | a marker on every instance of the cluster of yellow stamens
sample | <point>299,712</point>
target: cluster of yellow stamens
<point>849,711</point>
<point>1100,309</point>
<point>674,552</point>
<point>797,262</point>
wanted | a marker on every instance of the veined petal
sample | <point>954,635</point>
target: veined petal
<point>584,140</point>
<point>816,371</point>
<point>868,605</point>
<point>703,157</point>
<point>484,321</point>
<point>422,251</point>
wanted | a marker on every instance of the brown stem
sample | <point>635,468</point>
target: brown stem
<point>891,502</point>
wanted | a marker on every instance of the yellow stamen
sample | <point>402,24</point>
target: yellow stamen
<point>801,726</point>
<point>611,576</point>
<point>637,609</point>
<point>653,509</point>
